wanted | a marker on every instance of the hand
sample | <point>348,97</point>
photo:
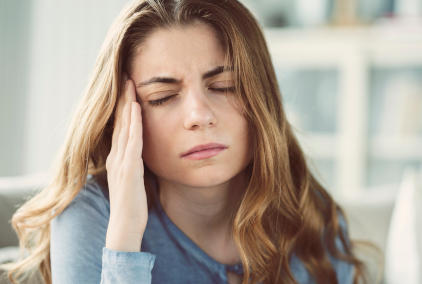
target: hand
<point>125,175</point>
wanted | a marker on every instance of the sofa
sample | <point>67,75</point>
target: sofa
<point>14,191</point>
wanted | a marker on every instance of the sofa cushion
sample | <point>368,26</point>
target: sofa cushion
<point>14,191</point>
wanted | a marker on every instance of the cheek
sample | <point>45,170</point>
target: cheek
<point>239,128</point>
<point>157,140</point>
<point>244,136</point>
<point>151,138</point>
<point>236,104</point>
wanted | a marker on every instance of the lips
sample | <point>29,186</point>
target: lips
<point>204,147</point>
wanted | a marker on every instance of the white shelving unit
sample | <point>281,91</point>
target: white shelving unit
<point>352,52</point>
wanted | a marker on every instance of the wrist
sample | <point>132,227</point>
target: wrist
<point>122,239</point>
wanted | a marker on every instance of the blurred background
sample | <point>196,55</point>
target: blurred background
<point>350,73</point>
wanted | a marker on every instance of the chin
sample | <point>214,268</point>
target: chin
<point>207,179</point>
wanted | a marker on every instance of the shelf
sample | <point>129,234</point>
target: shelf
<point>395,147</point>
<point>324,146</point>
<point>326,47</point>
<point>352,54</point>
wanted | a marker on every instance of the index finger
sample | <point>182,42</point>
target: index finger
<point>121,101</point>
<point>120,104</point>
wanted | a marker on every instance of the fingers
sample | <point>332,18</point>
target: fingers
<point>121,101</point>
<point>117,119</point>
<point>116,130</point>
<point>124,131</point>
<point>124,122</point>
<point>130,91</point>
<point>125,119</point>
<point>135,145</point>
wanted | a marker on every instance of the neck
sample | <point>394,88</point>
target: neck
<point>204,214</point>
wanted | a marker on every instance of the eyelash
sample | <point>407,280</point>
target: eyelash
<point>163,100</point>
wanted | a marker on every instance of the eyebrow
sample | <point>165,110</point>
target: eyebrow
<point>169,80</point>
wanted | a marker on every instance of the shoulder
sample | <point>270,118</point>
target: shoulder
<point>86,215</point>
<point>77,236</point>
<point>344,230</point>
<point>344,270</point>
<point>88,208</point>
<point>89,205</point>
<point>90,196</point>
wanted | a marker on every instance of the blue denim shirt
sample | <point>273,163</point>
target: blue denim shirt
<point>167,255</point>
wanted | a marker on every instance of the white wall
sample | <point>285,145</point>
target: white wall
<point>14,42</point>
<point>53,45</point>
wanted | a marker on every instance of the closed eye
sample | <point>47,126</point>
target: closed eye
<point>163,100</point>
<point>228,89</point>
<point>160,101</point>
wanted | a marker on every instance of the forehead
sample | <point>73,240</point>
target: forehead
<point>187,47</point>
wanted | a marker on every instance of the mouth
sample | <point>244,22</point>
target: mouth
<point>204,151</point>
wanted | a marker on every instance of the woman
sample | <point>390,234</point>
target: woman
<point>181,167</point>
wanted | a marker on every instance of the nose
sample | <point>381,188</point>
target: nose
<point>199,113</point>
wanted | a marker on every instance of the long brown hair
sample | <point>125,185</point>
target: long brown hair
<point>284,209</point>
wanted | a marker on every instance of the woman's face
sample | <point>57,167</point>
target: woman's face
<point>193,112</point>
